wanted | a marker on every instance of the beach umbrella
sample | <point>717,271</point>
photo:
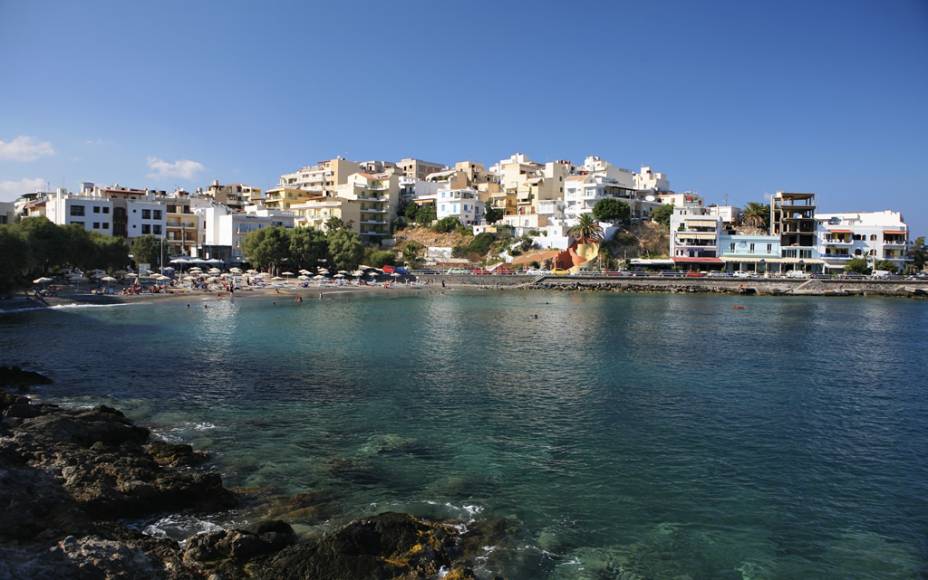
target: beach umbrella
<point>343,271</point>
<point>180,261</point>
<point>318,277</point>
<point>214,270</point>
<point>302,277</point>
<point>235,270</point>
<point>363,267</point>
<point>107,279</point>
<point>322,270</point>
<point>42,280</point>
<point>276,279</point>
<point>305,272</point>
<point>286,273</point>
<point>132,275</point>
<point>358,273</point>
<point>339,275</point>
<point>211,279</point>
<point>251,271</point>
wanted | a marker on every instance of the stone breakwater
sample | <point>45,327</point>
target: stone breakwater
<point>69,477</point>
<point>743,286</point>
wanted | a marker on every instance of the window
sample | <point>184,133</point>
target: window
<point>77,210</point>
<point>156,214</point>
<point>146,214</point>
<point>156,229</point>
<point>105,225</point>
<point>172,209</point>
<point>752,247</point>
<point>96,209</point>
<point>769,248</point>
<point>146,229</point>
<point>872,237</point>
<point>96,225</point>
<point>106,210</point>
<point>731,247</point>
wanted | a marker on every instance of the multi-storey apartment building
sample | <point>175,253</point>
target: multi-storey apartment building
<point>649,180</point>
<point>418,169</point>
<point>93,213</point>
<point>874,236</point>
<point>283,198</point>
<point>462,204</point>
<point>235,196</point>
<point>581,192</point>
<point>323,177</point>
<point>366,203</point>
<point>792,217</point>
<point>223,230</point>
<point>694,236</point>
<point>182,234</point>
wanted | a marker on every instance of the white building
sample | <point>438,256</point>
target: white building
<point>694,236</point>
<point>461,204</point>
<point>649,180</point>
<point>730,214</point>
<point>581,192</point>
<point>874,236</point>
<point>411,188</point>
<point>146,217</point>
<point>94,214</point>
<point>685,199</point>
<point>224,229</point>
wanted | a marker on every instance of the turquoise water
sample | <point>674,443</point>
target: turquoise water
<point>626,436</point>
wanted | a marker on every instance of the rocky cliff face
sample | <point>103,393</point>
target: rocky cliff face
<point>67,476</point>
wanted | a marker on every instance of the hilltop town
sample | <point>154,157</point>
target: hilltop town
<point>520,212</point>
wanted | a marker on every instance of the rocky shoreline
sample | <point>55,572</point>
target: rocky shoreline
<point>70,477</point>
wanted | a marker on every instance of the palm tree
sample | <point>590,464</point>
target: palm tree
<point>587,230</point>
<point>756,215</point>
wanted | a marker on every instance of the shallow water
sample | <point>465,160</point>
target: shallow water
<point>624,435</point>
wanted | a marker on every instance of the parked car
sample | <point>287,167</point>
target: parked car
<point>457,272</point>
<point>695,274</point>
<point>797,274</point>
<point>742,274</point>
<point>670,274</point>
<point>719,275</point>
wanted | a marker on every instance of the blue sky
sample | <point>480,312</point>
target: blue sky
<point>731,99</point>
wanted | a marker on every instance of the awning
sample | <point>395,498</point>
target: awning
<point>840,231</point>
<point>893,232</point>
<point>686,260</point>
<point>747,259</point>
<point>696,235</point>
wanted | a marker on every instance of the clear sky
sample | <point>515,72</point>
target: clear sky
<point>731,99</point>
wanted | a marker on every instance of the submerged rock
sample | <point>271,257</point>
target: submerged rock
<point>13,376</point>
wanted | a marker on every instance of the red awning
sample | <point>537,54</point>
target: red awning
<point>893,232</point>
<point>685,260</point>
<point>840,231</point>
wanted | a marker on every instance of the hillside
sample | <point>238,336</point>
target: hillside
<point>427,237</point>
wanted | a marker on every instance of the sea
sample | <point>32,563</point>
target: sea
<point>609,435</point>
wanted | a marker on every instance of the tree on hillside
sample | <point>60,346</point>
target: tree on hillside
<point>857,266</point>
<point>345,249</point>
<point>78,249</point>
<point>756,215</point>
<point>147,250</point>
<point>425,215</point>
<point>447,224</point>
<point>380,258</point>
<point>14,258</point>
<point>919,254</point>
<point>267,247</point>
<point>409,212</point>
<point>492,215</point>
<point>110,252</point>
<point>886,265</point>
<point>334,223</point>
<point>587,230</point>
<point>661,214</point>
<point>411,252</point>
<point>610,209</point>
<point>307,247</point>
<point>45,241</point>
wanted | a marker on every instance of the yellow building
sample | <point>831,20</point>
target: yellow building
<point>282,198</point>
<point>366,203</point>
<point>181,225</point>
<point>323,177</point>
